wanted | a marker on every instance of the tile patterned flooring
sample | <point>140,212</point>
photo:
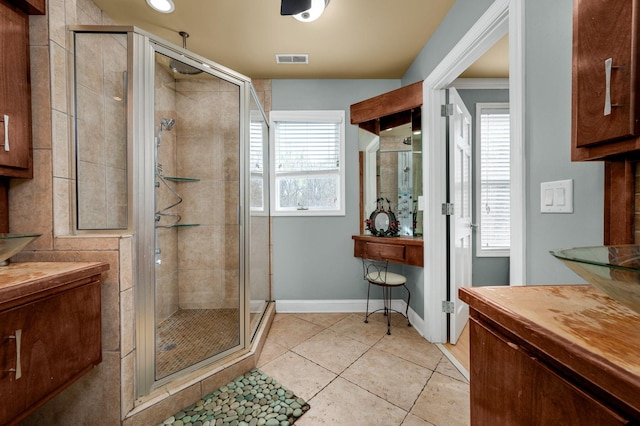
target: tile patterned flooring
<point>352,373</point>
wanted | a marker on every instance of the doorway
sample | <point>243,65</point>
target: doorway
<point>502,17</point>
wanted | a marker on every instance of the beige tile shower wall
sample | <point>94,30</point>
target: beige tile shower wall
<point>167,295</point>
<point>43,205</point>
<point>208,142</point>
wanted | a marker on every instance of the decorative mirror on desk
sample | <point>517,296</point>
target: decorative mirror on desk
<point>390,144</point>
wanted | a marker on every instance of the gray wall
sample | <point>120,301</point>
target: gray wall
<point>548,32</point>
<point>548,146</point>
<point>313,256</point>
<point>486,270</point>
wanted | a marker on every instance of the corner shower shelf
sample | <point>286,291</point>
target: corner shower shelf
<point>178,225</point>
<point>181,179</point>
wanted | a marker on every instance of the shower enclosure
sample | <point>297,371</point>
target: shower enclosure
<point>191,139</point>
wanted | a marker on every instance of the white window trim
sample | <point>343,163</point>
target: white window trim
<point>334,116</point>
<point>483,251</point>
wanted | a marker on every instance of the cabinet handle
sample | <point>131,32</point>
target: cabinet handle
<point>6,132</point>
<point>607,90</point>
<point>18,339</point>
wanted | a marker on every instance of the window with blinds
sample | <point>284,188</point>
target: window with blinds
<point>493,194</point>
<point>307,168</point>
<point>257,156</point>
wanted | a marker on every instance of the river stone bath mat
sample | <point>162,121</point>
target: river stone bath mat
<point>249,400</point>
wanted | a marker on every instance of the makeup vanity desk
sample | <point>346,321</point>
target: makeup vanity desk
<point>404,250</point>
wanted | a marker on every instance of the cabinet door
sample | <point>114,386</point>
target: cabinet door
<point>15,93</point>
<point>60,341</point>
<point>604,71</point>
<point>509,387</point>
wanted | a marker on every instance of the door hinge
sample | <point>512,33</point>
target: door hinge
<point>448,307</point>
<point>447,209</point>
<point>446,110</point>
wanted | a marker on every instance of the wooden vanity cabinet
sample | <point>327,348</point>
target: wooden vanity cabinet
<point>605,116</point>
<point>16,157</point>
<point>547,355</point>
<point>51,335</point>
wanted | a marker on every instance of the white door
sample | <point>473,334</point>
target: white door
<point>460,222</point>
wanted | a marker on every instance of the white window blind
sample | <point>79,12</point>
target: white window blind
<point>493,195</point>
<point>308,166</point>
<point>256,164</point>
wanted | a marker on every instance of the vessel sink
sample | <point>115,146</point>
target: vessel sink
<point>615,270</point>
<point>11,244</point>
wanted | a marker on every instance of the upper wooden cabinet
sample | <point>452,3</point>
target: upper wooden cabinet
<point>605,117</point>
<point>15,87</point>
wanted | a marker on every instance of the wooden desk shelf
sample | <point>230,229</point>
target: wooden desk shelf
<point>404,250</point>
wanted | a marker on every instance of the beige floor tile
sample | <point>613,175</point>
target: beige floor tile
<point>396,318</point>
<point>331,350</point>
<point>447,368</point>
<point>288,330</point>
<point>412,420</point>
<point>354,326</point>
<point>281,317</point>
<point>298,374</point>
<point>344,404</point>
<point>444,401</point>
<point>324,320</point>
<point>389,377</point>
<point>270,351</point>
<point>415,349</point>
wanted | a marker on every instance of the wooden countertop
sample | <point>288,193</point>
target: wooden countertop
<point>577,326</point>
<point>410,241</point>
<point>23,282</point>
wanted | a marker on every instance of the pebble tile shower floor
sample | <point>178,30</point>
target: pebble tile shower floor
<point>253,399</point>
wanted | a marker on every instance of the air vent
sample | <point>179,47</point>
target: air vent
<point>302,58</point>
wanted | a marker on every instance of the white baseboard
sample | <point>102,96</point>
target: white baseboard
<point>346,306</point>
<point>454,361</point>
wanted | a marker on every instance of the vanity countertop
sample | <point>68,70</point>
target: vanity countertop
<point>576,327</point>
<point>23,282</point>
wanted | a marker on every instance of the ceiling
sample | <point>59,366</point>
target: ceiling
<point>363,39</point>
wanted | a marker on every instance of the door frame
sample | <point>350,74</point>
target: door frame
<point>502,17</point>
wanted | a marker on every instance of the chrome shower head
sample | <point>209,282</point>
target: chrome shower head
<point>180,67</point>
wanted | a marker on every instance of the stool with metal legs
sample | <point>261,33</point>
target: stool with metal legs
<point>375,272</point>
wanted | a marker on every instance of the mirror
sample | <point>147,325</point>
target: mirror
<point>392,171</point>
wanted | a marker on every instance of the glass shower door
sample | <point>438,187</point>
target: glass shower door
<point>259,233</point>
<point>198,261</point>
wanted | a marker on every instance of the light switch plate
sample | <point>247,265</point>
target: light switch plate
<point>556,196</point>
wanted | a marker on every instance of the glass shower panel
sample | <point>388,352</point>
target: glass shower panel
<point>101,81</point>
<point>198,259</point>
<point>259,257</point>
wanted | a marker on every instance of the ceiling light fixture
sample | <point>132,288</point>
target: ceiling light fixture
<point>310,15</point>
<point>164,6</point>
